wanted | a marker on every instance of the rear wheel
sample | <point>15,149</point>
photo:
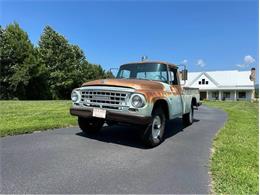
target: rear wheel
<point>154,133</point>
<point>90,125</point>
<point>188,118</point>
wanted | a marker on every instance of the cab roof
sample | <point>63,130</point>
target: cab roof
<point>153,62</point>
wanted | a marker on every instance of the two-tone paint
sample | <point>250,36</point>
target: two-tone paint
<point>178,100</point>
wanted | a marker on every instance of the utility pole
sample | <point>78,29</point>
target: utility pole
<point>253,78</point>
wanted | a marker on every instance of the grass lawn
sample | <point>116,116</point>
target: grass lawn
<point>17,117</point>
<point>234,164</point>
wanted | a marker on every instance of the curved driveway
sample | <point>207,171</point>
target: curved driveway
<point>65,161</point>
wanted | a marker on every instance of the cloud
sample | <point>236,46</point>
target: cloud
<point>201,63</point>
<point>184,62</point>
<point>240,65</point>
<point>248,60</point>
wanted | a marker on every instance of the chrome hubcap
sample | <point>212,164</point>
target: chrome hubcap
<point>156,127</point>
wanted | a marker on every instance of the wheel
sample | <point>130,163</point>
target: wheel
<point>154,133</point>
<point>188,118</point>
<point>90,125</point>
<point>111,123</point>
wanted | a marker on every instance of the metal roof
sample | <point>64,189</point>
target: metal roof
<point>221,79</point>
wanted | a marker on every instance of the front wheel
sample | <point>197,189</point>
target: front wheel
<point>188,118</point>
<point>154,133</point>
<point>90,125</point>
<point>111,123</point>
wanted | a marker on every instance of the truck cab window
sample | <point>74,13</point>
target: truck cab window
<point>173,77</point>
<point>125,74</point>
<point>146,71</point>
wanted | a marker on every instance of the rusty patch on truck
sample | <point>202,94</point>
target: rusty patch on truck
<point>153,95</point>
<point>131,83</point>
<point>153,90</point>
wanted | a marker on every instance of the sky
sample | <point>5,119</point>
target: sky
<point>204,35</point>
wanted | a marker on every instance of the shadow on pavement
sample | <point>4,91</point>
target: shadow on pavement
<point>130,135</point>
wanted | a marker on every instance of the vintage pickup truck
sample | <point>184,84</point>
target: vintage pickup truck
<point>144,93</point>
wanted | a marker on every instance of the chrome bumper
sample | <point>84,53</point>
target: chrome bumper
<point>130,118</point>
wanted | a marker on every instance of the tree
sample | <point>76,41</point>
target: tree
<point>49,71</point>
<point>16,60</point>
<point>109,75</point>
<point>63,62</point>
<point>92,72</point>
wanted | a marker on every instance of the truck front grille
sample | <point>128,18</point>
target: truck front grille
<point>104,99</point>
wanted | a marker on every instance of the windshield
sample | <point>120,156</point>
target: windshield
<point>146,71</point>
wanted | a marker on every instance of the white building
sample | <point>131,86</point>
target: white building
<point>222,85</point>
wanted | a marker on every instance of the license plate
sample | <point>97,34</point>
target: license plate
<point>100,113</point>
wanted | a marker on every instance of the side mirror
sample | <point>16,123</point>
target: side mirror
<point>184,74</point>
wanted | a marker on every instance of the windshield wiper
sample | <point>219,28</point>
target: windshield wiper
<point>142,79</point>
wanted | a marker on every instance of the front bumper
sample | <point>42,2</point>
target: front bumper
<point>113,116</point>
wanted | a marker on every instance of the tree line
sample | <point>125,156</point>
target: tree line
<point>48,70</point>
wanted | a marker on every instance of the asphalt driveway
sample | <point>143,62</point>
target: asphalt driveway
<point>66,161</point>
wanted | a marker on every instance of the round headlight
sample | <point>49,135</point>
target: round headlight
<point>74,96</point>
<point>137,101</point>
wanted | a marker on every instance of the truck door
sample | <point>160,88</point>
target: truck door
<point>176,98</point>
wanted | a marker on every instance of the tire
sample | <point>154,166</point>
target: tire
<point>188,118</point>
<point>154,132</point>
<point>90,125</point>
<point>111,123</point>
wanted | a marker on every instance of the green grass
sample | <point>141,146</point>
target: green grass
<point>17,117</point>
<point>234,163</point>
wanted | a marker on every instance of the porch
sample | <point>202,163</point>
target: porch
<point>226,95</point>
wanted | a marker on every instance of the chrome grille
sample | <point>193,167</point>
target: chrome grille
<point>104,99</point>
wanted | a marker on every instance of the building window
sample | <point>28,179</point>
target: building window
<point>226,94</point>
<point>203,82</point>
<point>215,95</point>
<point>242,94</point>
<point>203,95</point>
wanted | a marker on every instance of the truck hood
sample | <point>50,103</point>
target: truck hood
<point>130,83</point>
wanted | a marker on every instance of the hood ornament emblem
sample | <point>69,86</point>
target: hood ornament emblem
<point>103,81</point>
